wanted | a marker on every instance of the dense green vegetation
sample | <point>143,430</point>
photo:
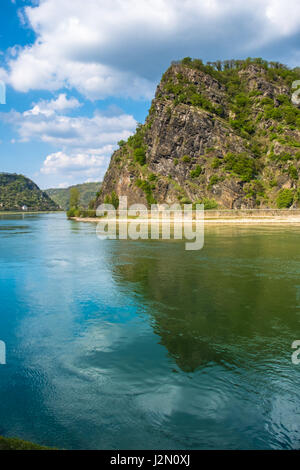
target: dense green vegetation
<point>241,165</point>
<point>187,93</point>
<point>209,204</point>
<point>241,100</point>
<point>147,188</point>
<point>285,198</point>
<point>81,212</point>
<point>112,199</point>
<point>226,71</point>
<point>196,172</point>
<point>87,192</point>
<point>19,444</point>
<point>74,198</point>
<point>76,210</point>
<point>137,144</point>
<point>17,191</point>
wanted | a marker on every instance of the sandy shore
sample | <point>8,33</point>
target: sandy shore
<point>254,220</point>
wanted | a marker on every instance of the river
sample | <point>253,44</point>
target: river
<point>116,344</point>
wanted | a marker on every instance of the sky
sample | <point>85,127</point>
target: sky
<point>79,76</point>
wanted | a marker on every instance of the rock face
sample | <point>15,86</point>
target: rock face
<point>225,135</point>
<point>20,193</point>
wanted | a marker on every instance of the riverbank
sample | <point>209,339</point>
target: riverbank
<point>230,216</point>
<point>18,444</point>
<point>28,212</point>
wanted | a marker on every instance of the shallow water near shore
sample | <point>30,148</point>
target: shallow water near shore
<point>123,344</point>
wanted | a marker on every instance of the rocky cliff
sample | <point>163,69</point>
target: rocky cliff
<point>225,134</point>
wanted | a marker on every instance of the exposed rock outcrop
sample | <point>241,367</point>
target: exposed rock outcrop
<point>229,138</point>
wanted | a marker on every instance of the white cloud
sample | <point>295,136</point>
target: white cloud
<point>48,108</point>
<point>63,185</point>
<point>284,15</point>
<point>3,75</point>
<point>120,47</point>
<point>76,132</point>
<point>88,165</point>
<point>42,123</point>
<point>83,145</point>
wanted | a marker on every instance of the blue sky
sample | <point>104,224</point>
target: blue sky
<point>79,78</point>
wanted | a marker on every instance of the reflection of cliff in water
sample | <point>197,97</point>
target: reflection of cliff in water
<point>213,305</point>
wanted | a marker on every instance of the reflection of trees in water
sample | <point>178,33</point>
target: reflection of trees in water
<point>227,303</point>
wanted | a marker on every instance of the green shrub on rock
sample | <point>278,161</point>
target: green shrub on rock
<point>209,204</point>
<point>293,172</point>
<point>196,172</point>
<point>241,165</point>
<point>285,198</point>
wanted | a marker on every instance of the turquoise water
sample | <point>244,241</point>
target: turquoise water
<point>135,345</point>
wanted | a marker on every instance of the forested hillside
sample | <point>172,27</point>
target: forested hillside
<point>18,193</point>
<point>87,192</point>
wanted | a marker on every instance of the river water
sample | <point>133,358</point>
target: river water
<point>143,345</point>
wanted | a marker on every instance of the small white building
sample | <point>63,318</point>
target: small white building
<point>24,208</point>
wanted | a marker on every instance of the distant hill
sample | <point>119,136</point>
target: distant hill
<point>18,193</point>
<point>61,196</point>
